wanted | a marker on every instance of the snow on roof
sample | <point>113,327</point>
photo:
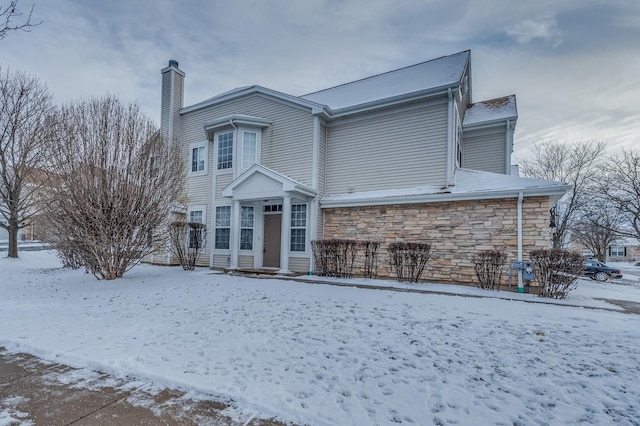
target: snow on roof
<point>244,90</point>
<point>626,242</point>
<point>498,109</point>
<point>440,72</point>
<point>469,185</point>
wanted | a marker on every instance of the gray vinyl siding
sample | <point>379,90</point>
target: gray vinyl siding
<point>177,105</point>
<point>222,181</point>
<point>287,143</point>
<point>165,112</point>
<point>321,178</point>
<point>397,150</point>
<point>299,264</point>
<point>485,150</point>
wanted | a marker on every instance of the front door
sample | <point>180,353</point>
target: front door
<point>272,225</point>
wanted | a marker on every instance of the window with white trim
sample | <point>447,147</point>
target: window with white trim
<point>196,214</point>
<point>298,227</point>
<point>617,251</point>
<point>246,227</point>
<point>225,150</point>
<point>249,149</point>
<point>198,159</point>
<point>223,227</point>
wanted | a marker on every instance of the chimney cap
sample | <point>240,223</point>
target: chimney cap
<point>173,63</point>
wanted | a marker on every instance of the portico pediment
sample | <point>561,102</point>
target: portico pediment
<point>260,182</point>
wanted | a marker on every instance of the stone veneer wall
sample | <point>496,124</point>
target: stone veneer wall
<point>456,231</point>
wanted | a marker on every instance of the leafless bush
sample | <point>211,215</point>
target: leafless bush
<point>488,265</point>
<point>338,257</point>
<point>557,271</point>
<point>188,240</point>
<point>119,179</point>
<point>335,257</point>
<point>408,260</point>
<point>370,263</point>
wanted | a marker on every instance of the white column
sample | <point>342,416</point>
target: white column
<point>285,230</point>
<point>234,239</point>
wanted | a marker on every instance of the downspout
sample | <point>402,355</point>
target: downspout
<point>449,178</point>
<point>315,184</point>
<point>520,285</point>
<point>509,149</point>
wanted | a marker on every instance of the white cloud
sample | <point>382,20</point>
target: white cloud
<point>528,30</point>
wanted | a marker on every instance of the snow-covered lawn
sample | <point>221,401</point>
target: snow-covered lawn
<point>319,354</point>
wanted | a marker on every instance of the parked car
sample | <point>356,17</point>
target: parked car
<point>599,271</point>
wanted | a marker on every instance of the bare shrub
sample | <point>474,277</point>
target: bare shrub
<point>335,257</point>
<point>188,240</point>
<point>370,261</point>
<point>557,271</point>
<point>408,260</point>
<point>489,265</point>
<point>119,179</point>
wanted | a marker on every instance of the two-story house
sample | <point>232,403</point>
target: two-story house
<point>401,156</point>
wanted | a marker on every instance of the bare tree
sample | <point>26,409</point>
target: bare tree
<point>9,13</point>
<point>120,179</point>
<point>598,226</point>
<point>25,113</point>
<point>188,240</point>
<point>622,186</point>
<point>577,164</point>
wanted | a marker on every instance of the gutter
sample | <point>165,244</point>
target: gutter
<point>443,197</point>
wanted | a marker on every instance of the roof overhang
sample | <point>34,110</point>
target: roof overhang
<point>469,185</point>
<point>249,90</point>
<point>331,202</point>
<point>234,120</point>
<point>259,183</point>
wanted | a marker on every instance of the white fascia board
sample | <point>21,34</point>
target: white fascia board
<point>554,192</point>
<point>247,91</point>
<point>499,122</point>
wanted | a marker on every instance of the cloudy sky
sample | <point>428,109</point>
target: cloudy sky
<point>574,65</point>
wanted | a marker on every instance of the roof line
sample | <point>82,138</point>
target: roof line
<point>384,73</point>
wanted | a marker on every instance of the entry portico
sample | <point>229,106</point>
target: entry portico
<point>262,201</point>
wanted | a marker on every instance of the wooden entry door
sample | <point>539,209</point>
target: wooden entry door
<point>272,225</point>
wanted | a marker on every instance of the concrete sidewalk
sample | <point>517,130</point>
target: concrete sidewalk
<point>34,392</point>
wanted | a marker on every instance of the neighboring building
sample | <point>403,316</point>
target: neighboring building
<point>624,250</point>
<point>404,155</point>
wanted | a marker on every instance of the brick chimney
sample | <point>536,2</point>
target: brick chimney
<point>172,100</point>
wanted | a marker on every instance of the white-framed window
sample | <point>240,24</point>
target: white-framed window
<point>223,227</point>
<point>247,214</point>
<point>225,150</point>
<point>198,159</point>
<point>197,214</point>
<point>298,227</point>
<point>249,149</point>
<point>617,251</point>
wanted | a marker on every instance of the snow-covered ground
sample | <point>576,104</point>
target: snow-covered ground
<point>327,355</point>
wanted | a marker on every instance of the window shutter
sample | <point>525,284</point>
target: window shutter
<point>609,250</point>
<point>625,251</point>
